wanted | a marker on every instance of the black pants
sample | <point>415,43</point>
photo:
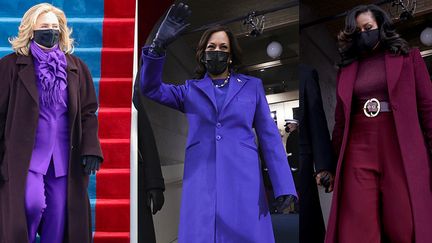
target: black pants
<point>311,222</point>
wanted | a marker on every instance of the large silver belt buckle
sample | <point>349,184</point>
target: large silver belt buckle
<point>372,107</point>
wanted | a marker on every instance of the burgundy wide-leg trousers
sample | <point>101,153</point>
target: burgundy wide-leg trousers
<point>374,204</point>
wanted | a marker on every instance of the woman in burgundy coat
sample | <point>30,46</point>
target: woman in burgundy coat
<point>48,134</point>
<point>382,134</point>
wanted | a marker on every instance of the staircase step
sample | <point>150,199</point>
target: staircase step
<point>87,32</point>
<point>114,122</point>
<point>119,9</point>
<point>111,237</point>
<point>117,62</point>
<point>72,8</point>
<point>116,153</point>
<point>120,32</point>
<point>112,215</point>
<point>117,92</point>
<point>113,183</point>
<point>91,57</point>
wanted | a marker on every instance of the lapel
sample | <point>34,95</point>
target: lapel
<point>28,77</point>
<point>206,86</point>
<point>346,85</point>
<point>235,84</point>
<point>393,65</point>
<point>73,89</point>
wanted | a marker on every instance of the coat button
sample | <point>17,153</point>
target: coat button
<point>218,137</point>
<point>218,125</point>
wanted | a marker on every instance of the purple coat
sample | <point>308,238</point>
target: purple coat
<point>223,197</point>
<point>410,94</point>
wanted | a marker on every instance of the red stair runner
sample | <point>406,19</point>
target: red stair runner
<point>115,92</point>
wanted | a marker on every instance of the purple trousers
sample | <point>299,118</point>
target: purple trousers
<point>45,205</point>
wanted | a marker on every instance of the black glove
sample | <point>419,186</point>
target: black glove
<point>285,203</point>
<point>91,163</point>
<point>173,24</point>
<point>155,199</point>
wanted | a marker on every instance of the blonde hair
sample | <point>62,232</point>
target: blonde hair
<point>21,43</point>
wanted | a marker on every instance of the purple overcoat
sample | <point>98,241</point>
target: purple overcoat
<point>223,197</point>
<point>410,94</point>
<point>19,112</point>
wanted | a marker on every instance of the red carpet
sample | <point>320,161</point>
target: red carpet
<point>115,92</point>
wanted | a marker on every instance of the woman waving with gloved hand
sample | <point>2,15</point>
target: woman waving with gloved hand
<point>223,197</point>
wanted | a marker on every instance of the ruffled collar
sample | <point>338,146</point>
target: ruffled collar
<point>50,67</point>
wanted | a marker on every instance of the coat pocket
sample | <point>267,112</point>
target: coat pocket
<point>247,145</point>
<point>192,144</point>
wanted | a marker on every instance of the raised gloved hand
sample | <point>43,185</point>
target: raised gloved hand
<point>173,25</point>
<point>325,179</point>
<point>155,199</point>
<point>285,203</point>
<point>91,163</point>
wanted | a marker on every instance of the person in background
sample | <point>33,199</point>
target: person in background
<point>316,158</point>
<point>48,134</point>
<point>292,147</point>
<point>151,184</point>
<point>223,198</point>
<point>382,136</point>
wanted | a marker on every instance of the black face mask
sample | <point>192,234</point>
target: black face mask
<point>216,62</point>
<point>367,40</point>
<point>47,37</point>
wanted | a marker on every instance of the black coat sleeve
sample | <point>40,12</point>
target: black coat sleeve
<point>318,130</point>
<point>148,154</point>
<point>5,76</point>
<point>90,144</point>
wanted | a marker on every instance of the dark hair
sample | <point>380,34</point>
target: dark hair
<point>235,51</point>
<point>389,39</point>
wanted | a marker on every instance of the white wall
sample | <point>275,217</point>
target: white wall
<point>283,103</point>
